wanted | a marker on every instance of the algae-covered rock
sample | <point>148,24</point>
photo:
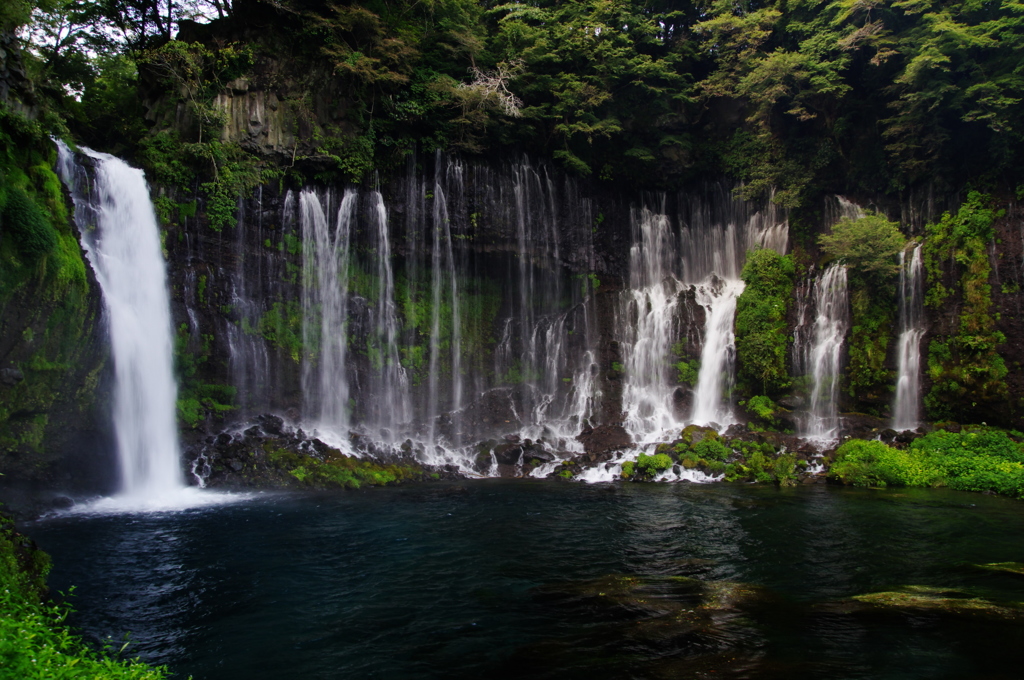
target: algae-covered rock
<point>1006,567</point>
<point>941,600</point>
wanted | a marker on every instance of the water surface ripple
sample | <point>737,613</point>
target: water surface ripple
<point>515,579</point>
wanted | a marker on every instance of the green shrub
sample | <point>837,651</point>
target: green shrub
<point>761,336</point>
<point>987,460</point>
<point>628,468</point>
<point>784,469</point>
<point>711,449</point>
<point>688,372</point>
<point>651,465</point>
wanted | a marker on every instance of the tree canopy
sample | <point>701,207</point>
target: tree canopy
<point>796,97</point>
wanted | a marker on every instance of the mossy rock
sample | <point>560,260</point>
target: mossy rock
<point>1005,567</point>
<point>941,600</point>
<point>694,434</point>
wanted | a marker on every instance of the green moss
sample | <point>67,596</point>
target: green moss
<point>967,372</point>
<point>479,301</point>
<point>873,313</point>
<point>762,339</point>
<point>32,232</point>
<point>336,470</point>
<point>281,326</point>
<point>197,400</point>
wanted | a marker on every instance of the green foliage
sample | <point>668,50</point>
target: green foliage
<point>784,469</point>
<point>688,372</point>
<point>478,304</point>
<point>869,245</point>
<point>281,326</point>
<point>763,409</point>
<point>711,448</point>
<point>981,460</point>
<point>35,641</point>
<point>966,368</point>
<point>651,465</point>
<point>761,337</point>
<point>197,400</point>
<point>628,468</point>
<point>873,310</point>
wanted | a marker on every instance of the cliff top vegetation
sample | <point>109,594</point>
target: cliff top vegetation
<point>835,96</point>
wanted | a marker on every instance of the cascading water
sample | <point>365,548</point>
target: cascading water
<point>824,354</point>
<point>906,409</point>
<point>325,265</point>
<point>122,243</point>
<point>707,256</point>
<point>718,297</point>
<point>444,284</point>
<point>650,320</point>
<point>389,380</point>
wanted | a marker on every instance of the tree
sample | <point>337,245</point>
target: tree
<point>869,245</point>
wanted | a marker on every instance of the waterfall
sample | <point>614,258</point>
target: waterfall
<point>650,320</point>
<point>444,287</point>
<point>718,297</point>
<point>325,266</point>
<point>121,239</point>
<point>715,233</point>
<point>824,354</point>
<point>388,383</point>
<point>911,307</point>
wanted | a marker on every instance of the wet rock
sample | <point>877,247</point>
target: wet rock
<point>1005,567</point>
<point>941,600</point>
<point>508,454</point>
<point>253,431</point>
<point>694,434</point>
<point>271,424</point>
<point>735,430</point>
<point>605,438</point>
<point>62,503</point>
<point>906,436</point>
<point>11,376</point>
<point>861,426</point>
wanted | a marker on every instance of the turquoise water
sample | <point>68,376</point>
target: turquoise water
<point>518,579</point>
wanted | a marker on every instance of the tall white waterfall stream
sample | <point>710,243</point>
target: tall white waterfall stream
<point>906,410</point>
<point>824,354</point>
<point>122,242</point>
<point>325,266</point>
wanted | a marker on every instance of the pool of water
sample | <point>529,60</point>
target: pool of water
<point>519,579</point>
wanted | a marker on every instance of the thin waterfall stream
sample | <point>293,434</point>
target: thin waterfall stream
<point>906,409</point>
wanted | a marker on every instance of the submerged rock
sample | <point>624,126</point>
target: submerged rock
<point>1006,567</point>
<point>940,600</point>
